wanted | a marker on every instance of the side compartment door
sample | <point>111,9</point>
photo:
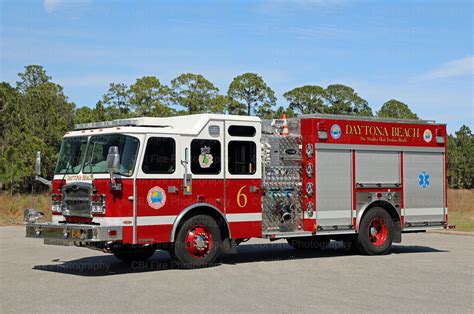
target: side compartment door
<point>333,188</point>
<point>423,179</point>
<point>243,179</point>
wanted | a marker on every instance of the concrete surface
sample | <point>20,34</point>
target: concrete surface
<point>427,273</point>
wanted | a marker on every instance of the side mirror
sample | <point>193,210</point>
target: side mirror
<point>38,170</point>
<point>38,164</point>
<point>113,160</point>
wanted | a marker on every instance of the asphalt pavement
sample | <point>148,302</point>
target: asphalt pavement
<point>426,273</point>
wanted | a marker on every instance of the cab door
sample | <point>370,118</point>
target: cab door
<point>243,179</point>
<point>158,184</point>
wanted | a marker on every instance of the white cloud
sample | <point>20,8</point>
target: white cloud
<point>54,5</point>
<point>51,5</point>
<point>455,68</point>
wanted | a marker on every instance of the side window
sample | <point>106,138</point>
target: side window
<point>205,156</point>
<point>242,157</point>
<point>241,130</point>
<point>160,156</point>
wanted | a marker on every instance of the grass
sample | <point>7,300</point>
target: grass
<point>461,209</point>
<point>460,205</point>
<point>12,207</point>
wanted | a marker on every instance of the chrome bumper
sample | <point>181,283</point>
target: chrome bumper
<point>73,232</point>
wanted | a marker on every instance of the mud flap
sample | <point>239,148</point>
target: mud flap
<point>229,246</point>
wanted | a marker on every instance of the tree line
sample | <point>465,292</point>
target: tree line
<point>35,114</point>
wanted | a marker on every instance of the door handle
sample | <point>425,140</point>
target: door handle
<point>253,189</point>
<point>172,189</point>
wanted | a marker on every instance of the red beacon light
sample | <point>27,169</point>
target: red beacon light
<point>322,131</point>
<point>439,136</point>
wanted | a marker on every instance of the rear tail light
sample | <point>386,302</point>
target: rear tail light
<point>56,203</point>
<point>98,203</point>
<point>439,136</point>
<point>322,131</point>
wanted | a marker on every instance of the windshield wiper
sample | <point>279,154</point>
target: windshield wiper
<point>67,170</point>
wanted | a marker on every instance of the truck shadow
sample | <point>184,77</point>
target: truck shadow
<point>108,265</point>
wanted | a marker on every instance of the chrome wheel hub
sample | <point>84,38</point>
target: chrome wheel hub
<point>373,231</point>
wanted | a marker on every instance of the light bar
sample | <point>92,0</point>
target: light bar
<point>149,122</point>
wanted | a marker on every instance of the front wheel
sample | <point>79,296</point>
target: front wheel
<point>375,232</point>
<point>197,243</point>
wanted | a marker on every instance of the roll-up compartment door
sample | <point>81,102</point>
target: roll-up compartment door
<point>423,179</point>
<point>333,187</point>
<point>377,167</point>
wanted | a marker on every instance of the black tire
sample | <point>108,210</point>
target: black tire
<point>130,253</point>
<point>197,243</point>
<point>309,243</point>
<point>375,232</point>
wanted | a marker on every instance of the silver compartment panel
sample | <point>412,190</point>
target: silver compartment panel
<point>423,204</point>
<point>377,167</point>
<point>333,188</point>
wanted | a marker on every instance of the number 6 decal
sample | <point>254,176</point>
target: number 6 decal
<point>241,198</point>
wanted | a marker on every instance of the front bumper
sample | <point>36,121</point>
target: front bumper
<point>73,232</point>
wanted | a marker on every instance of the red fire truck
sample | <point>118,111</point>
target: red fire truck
<point>199,185</point>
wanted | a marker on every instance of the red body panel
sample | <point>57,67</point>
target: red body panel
<point>308,133</point>
<point>381,133</point>
<point>240,200</point>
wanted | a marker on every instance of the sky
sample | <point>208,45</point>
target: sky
<point>418,52</point>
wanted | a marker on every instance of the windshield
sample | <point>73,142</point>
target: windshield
<point>98,148</point>
<point>71,155</point>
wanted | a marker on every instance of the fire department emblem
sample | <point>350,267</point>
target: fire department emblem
<point>205,159</point>
<point>427,136</point>
<point>156,197</point>
<point>336,131</point>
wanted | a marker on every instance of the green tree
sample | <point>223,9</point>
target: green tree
<point>396,109</point>
<point>235,107</point>
<point>278,114</point>
<point>307,99</point>
<point>193,92</point>
<point>460,159</point>
<point>85,115</point>
<point>148,97</point>
<point>33,76</point>
<point>35,116</point>
<point>250,90</point>
<point>219,104</point>
<point>344,100</point>
<point>117,101</point>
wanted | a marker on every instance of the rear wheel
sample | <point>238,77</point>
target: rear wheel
<point>131,253</point>
<point>309,243</point>
<point>197,242</point>
<point>375,232</point>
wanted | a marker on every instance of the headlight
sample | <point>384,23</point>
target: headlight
<point>98,209</point>
<point>56,208</point>
<point>98,203</point>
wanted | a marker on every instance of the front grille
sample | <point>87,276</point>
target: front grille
<point>76,199</point>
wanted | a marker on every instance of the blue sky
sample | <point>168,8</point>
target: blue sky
<point>419,52</point>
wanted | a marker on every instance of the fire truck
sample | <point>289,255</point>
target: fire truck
<point>200,185</point>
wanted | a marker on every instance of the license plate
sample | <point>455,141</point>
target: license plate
<point>76,233</point>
